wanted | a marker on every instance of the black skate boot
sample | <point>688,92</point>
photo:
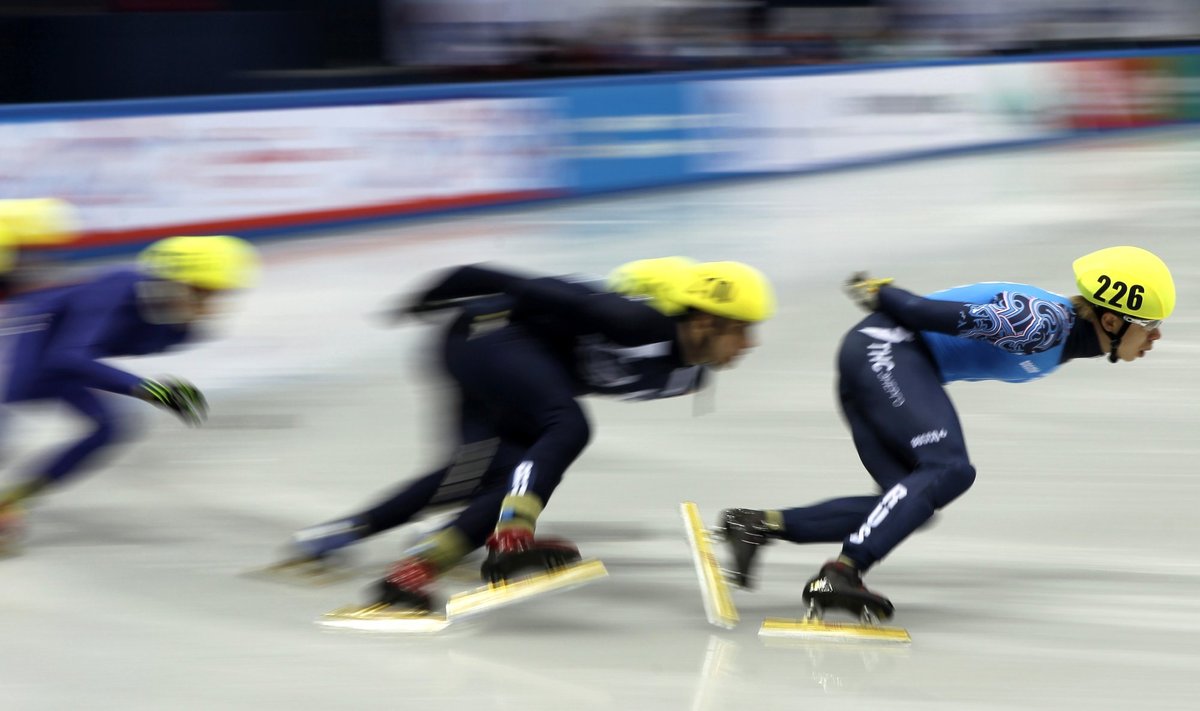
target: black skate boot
<point>745,530</point>
<point>839,585</point>
<point>407,587</point>
<point>515,552</point>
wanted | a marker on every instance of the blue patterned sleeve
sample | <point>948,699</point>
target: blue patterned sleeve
<point>1018,323</point>
<point>1012,321</point>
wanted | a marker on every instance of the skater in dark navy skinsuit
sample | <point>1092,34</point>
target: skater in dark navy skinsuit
<point>521,353</point>
<point>892,367</point>
<point>58,338</point>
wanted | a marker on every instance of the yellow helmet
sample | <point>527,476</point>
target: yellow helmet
<point>39,222</point>
<point>658,279</point>
<point>216,262</point>
<point>729,289</point>
<point>1128,280</point>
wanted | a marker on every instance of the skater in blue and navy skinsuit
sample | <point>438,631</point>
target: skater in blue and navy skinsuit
<point>892,367</point>
<point>59,337</point>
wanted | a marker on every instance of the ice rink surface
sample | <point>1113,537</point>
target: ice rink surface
<point>1068,577</point>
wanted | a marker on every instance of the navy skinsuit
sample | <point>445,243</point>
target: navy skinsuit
<point>57,337</point>
<point>891,370</point>
<point>521,353</point>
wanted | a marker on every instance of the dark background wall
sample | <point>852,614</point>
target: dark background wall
<point>69,50</point>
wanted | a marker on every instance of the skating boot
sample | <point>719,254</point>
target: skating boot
<point>840,586</point>
<point>313,556</point>
<point>408,586</point>
<point>318,542</point>
<point>745,530</point>
<point>514,552</point>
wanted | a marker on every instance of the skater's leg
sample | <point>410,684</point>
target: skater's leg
<point>746,530</point>
<point>833,520</point>
<point>913,419</point>
<point>447,486</point>
<point>825,522</point>
<point>107,430</point>
<point>891,380</point>
<point>530,390</point>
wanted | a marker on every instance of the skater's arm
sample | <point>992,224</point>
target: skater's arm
<point>1015,321</point>
<point>624,321</point>
<point>917,313</point>
<point>463,283</point>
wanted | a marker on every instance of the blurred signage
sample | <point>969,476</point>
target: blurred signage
<point>802,122</point>
<point>286,166</point>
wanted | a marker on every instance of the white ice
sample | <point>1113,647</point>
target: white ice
<point>1068,577</point>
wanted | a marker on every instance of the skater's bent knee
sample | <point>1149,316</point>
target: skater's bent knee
<point>571,427</point>
<point>953,482</point>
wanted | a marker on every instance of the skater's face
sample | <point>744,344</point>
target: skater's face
<point>204,303</point>
<point>1138,339</point>
<point>716,341</point>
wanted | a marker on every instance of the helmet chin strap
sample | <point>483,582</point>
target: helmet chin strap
<point>1116,338</point>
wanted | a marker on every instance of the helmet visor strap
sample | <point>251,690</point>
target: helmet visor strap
<point>1116,340</point>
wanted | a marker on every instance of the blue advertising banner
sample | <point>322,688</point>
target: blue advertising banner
<point>631,136</point>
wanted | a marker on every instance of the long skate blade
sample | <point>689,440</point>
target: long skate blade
<point>718,601</point>
<point>836,631</point>
<point>492,597</point>
<point>304,572</point>
<point>381,618</point>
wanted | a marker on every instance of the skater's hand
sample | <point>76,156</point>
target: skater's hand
<point>178,396</point>
<point>414,308</point>
<point>864,290</point>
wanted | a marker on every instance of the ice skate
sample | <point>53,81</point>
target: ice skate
<point>315,556</point>
<point>714,589</point>
<point>404,604</point>
<point>514,553</point>
<point>519,566</point>
<point>744,531</point>
<point>839,586</point>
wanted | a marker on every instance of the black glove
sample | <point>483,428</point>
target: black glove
<point>178,396</point>
<point>864,290</point>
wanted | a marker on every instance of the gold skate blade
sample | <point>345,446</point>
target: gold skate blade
<point>492,597</point>
<point>714,589</point>
<point>380,618</point>
<point>835,631</point>
<point>303,572</point>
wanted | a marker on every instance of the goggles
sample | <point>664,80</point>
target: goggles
<point>1146,323</point>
